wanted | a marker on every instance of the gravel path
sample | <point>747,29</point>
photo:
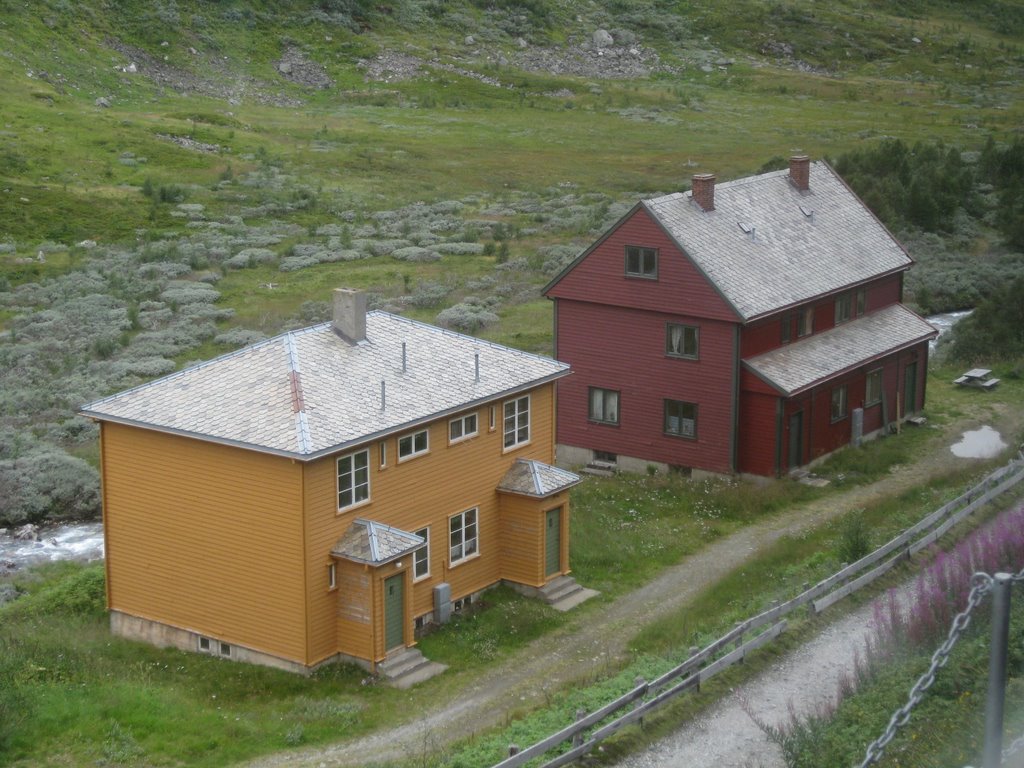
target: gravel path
<point>806,679</point>
<point>584,649</point>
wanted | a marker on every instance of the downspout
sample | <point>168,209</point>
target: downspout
<point>810,432</point>
<point>554,329</point>
<point>924,378</point>
<point>733,433</point>
<point>778,436</point>
<point>306,581</point>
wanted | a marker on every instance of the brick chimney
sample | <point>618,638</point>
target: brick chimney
<point>800,172</point>
<point>350,315</point>
<point>704,190</point>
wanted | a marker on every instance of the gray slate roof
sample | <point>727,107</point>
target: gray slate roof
<point>797,366</point>
<point>366,541</point>
<point>309,392</point>
<point>798,245</point>
<point>528,477</point>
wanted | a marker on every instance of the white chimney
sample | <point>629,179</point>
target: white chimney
<point>350,315</point>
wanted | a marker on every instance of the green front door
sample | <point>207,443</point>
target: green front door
<point>394,612</point>
<point>553,542</point>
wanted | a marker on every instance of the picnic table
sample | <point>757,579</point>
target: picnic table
<point>979,378</point>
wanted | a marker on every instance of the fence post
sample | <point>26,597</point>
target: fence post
<point>639,702</point>
<point>1001,584</point>
<point>578,738</point>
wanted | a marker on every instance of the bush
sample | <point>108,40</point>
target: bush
<point>469,316</point>
<point>47,485</point>
<point>854,538</point>
<point>415,253</point>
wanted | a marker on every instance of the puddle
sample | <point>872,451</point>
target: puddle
<point>981,443</point>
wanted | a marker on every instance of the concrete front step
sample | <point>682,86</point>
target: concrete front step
<point>600,469</point>
<point>408,666</point>
<point>564,593</point>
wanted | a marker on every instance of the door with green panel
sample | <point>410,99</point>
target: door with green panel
<point>553,541</point>
<point>394,612</point>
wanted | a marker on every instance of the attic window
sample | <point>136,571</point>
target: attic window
<point>808,212</point>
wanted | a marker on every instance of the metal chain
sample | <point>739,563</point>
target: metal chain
<point>981,585</point>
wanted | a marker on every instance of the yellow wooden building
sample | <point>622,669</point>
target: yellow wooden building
<point>323,494</point>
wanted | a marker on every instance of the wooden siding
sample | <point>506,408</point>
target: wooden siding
<point>523,537</point>
<point>757,433</point>
<point>623,349</point>
<point>679,288</point>
<point>764,335</point>
<point>423,491</point>
<point>205,537</point>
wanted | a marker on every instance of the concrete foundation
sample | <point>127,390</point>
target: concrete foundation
<point>571,456</point>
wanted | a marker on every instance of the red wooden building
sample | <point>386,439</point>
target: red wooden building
<point>750,326</point>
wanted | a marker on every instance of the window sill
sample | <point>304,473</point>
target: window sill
<point>670,356</point>
<point>515,447</point>
<point>350,507</point>
<point>692,438</point>
<point>629,276</point>
<point>599,423</point>
<point>411,456</point>
<point>463,561</point>
<point>465,439</point>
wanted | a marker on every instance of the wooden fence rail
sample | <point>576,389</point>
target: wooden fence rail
<point>707,662</point>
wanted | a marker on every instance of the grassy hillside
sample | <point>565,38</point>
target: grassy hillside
<point>178,177</point>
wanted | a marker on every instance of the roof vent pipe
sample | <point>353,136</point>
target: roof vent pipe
<point>383,394</point>
<point>403,358</point>
<point>704,190</point>
<point>476,357</point>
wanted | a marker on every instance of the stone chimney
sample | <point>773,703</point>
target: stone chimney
<point>800,172</point>
<point>704,190</point>
<point>350,315</point>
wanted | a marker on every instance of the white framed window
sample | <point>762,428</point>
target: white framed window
<point>873,387</point>
<point>463,535</point>
<point>463,427</point>
<point>839,403</point>
<point>353,479</point>
<point>421,557</point>
<point>517,421</point>
<point>491,424</point>
<point>332,576</point>
<point>383,450</point>
<point>681,418</point>
<point>682,340</point>
<point>604,405</point>
<point>413,444</point>
<point>641,262</point>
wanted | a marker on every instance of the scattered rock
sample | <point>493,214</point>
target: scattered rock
<point>102,101</point>
<point>470,40</point>
<point>187,143</point>
<point>27,532</point>
<point>295,66</point>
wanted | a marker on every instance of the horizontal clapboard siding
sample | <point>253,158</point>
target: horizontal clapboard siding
<point>424,491</point>
<point>205,537</point>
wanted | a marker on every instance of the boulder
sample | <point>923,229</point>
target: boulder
<point>602,38</point>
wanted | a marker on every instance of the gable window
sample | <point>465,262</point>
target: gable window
<point>383,454</point>
<point>517,421</point>
<point>680,418</point>
<point>860,301</point>
<point>641,262</point>
<point>421,558</point>
<point>353,479</point>
<point>462,533</point>
<point>413,445</point>
<point>681,340</point>
<point>332,576</point>
<point>805,322</point>
<point>839,403</point>
<point>844,305</point>
<point>462,427</point>
<point>787,328</point>
<point>873,387</point>
<point>604,405</point>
